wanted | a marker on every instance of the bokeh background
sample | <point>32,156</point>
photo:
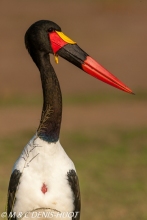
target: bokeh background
<point>104,130</point>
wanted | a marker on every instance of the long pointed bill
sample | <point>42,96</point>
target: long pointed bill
<point>69,50</point>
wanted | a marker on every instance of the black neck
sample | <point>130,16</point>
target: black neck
<point>50,122</point>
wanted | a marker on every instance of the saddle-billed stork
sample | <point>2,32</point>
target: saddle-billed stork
<point>44,179</point>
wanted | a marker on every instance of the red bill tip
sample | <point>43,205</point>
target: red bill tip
<point>93,68</point>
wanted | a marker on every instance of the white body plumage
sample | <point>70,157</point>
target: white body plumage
<point>43,163</point>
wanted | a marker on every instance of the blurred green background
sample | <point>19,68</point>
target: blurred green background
<point>104,130</point>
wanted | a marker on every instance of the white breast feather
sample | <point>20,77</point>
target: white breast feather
<point>42,162</point>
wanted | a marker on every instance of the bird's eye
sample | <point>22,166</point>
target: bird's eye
<point>50,29</point>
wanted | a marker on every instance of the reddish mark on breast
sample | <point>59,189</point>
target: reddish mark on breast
<point>44,188</point>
